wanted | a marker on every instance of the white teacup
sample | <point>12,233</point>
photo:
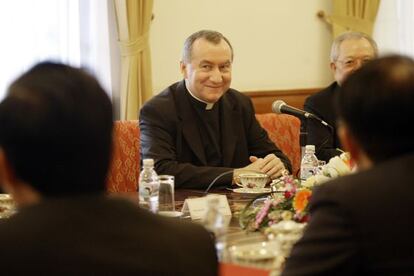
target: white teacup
<point>7,206</point>
<point>253,181</point>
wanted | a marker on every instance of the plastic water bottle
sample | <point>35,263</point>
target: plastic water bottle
<point>216,223</point>
<point>149,186</point>
<point>309,164</point>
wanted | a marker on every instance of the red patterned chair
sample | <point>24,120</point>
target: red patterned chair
<point>284,131</point>
<point>124,171</point>
<point>125,167</point>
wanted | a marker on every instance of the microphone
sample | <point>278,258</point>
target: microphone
<point>280,107</point>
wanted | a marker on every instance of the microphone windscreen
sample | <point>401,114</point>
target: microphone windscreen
<point>277,105</point>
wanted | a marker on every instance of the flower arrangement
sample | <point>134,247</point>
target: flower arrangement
<point>337,166</point>
<point>288,201</point>
<point>289,198</point>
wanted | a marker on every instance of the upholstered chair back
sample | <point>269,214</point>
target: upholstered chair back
<point>125,166</point>
<point>124,170</point>
<point>284,131</point>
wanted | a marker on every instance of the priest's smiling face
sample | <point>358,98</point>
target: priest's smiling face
<point>208,74</point>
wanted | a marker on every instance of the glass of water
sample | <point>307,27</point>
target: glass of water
<point>166,200</point>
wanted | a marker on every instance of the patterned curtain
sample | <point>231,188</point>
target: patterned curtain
<point>133,19</point>
<point>352,15</point>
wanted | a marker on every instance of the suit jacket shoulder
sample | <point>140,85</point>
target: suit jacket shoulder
<point>359,224</point>
<point>94,235</point>
<point>164,105</point>
<point>322,103</point>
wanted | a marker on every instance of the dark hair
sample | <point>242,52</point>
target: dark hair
<point>376,103</point>
<point>211,36</point>
<point>56,130</point>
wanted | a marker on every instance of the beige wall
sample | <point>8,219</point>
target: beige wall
<point>278,44</point>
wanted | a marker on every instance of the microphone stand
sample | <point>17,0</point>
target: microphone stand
<point>280,107</point>
<point>215,179</point>
<point>304,133</point>
<point>303,137</point>
<point>331,133</point>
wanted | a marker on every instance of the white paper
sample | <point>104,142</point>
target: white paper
<point>197,207</point>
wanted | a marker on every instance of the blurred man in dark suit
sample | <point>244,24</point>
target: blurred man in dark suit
<point>55,149</point>
<point>361,224</point>
<point>349,52</point>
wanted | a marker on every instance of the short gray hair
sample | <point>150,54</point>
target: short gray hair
<point>211,36</point>
<point>347,36</point>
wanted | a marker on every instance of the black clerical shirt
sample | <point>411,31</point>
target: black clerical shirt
<point>208,121</point>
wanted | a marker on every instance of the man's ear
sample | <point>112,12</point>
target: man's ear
<point>183,69</point>
<point>348,141</point>
<point>7,175</point>
<point>333,67</point>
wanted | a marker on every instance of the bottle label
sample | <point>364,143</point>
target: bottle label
<point>307,172</point>
<point>148,195</point>
<point>146,191</point>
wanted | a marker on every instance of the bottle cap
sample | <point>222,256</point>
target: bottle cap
<point>148,162</point>
<point>310,148</point>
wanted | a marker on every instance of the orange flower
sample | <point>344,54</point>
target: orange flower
<point>301,199</point>
<point>346,157</point>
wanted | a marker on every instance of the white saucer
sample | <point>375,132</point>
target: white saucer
<point>7,207</point>
<point>255,251</point>
<point>173,214</point>
<point>4,197</point>
<point>6,200</point>
<point>251,191</point>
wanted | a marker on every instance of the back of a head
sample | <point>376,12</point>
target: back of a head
<point>56,130</point>
<point>376,102</point>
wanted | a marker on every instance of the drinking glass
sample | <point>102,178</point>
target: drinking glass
<point>166,194</point>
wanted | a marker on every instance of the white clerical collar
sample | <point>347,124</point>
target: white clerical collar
<point>209,106</point>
